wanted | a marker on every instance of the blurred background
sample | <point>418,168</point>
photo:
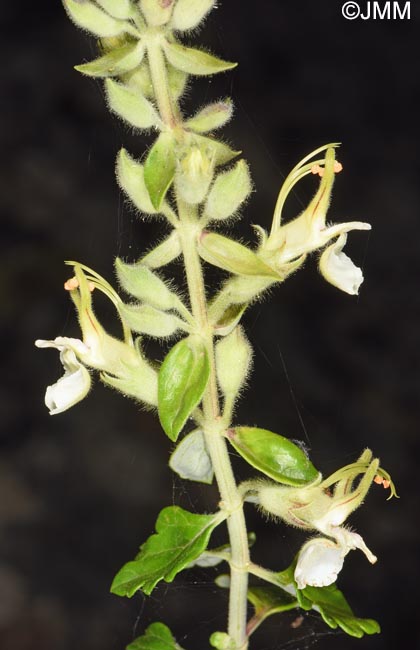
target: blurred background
<point>80,491</point>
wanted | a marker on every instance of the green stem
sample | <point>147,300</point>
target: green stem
<point>231,500</point>
<point>213,430</point>
<point>167,107</point>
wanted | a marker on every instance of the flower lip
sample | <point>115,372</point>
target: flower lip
<point>74,385</point>
<point>319,563</point>
<point>338,269</point>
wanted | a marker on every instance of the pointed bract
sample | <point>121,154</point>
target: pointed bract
<point>115,63</point>
<point>194,61</point>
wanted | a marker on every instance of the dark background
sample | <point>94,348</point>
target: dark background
<point>79,492</point>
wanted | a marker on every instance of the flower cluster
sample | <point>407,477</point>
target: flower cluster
<point>120,362</point>
<point>324,506</point>
<point>309,232</point>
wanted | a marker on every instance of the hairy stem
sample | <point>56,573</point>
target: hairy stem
<point>213,427</point>
<point>213,430</point>
<point>167,106</point>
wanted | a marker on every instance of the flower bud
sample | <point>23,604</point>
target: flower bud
<point>222,641</point>
<point>143,284</point>
<point>229,191</point>
<point>211,117</point>
<point>145,319</point>
<point>232,256</point>
<point>157,12</point>
<point>90,17</point>
<point>194,174</point>
<point>117,8</point>
<point>233,360</point>
<point>164,253</point>
<point>131,105</point>
<point>130,177</point>
<point>189,13</point>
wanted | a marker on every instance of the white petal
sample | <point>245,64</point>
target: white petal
<point>67,391</point>
<point>338,269</point>
<point>74,385</point>
<point>320,561</point>
<point>62,343</point>
<point>350,541</point>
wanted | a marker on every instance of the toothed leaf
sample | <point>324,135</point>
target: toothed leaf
<point>180,538</point>
<point>156,637</point>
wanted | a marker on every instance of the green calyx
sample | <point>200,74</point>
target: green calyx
<point>273,455</point>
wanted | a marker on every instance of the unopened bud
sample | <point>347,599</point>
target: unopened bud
<point>229,191</point>
<point>233,360</point>
<point>189,13</point>
<point>222,641</point>
<point>157,12</point>
<point>194,175</point>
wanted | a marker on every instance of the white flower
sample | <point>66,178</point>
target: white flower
<point>320,560</point>
<point>309,231</point>
<point>338,269</point>
<point>324,506</point>
<point>74,385</point>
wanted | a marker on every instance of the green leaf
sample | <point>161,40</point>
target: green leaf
<point>211,117</point>
<point>336,611</point>
<point>269,600</point>
<point>232,256</point>
<point>115,63</point>
<point>274,455</point>
<point>191,459</point>
<point>182,381</point>
<point>131,105</point>
<point>330,603</point>
<point>130,176</point>
<point>157,637</point>
<point>180,538</point>
<point>89,16</point>
<point>159,168</point>
<point>194,61</point>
